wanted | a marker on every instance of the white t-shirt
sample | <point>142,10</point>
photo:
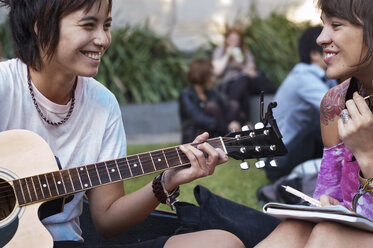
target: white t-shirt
<point>93,133</point>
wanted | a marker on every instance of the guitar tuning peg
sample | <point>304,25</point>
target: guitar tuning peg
<point>260,164</point>
<point>245,165</point>
<point>245,128</point>
<point>259,125</point>
<point>273,163</point>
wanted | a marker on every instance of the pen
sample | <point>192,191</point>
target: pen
<point>365,98</point>
<point>302,195</point>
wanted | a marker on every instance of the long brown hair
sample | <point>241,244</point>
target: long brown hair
<point>240,34</point>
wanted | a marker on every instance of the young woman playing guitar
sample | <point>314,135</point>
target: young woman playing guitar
<point>48,89</point>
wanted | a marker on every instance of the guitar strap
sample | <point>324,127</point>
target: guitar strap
<point>354,86</point>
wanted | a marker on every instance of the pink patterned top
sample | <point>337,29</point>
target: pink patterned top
<point>338,178</point>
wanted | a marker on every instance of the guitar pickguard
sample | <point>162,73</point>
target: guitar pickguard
<point>7,232</point>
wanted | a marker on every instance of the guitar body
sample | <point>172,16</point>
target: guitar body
<point>30,177</point>
<point>22,154</point>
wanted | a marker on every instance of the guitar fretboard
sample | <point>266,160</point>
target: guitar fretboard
<point>64,182</point>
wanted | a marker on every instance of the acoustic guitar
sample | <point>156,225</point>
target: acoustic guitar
<point>30,176</point>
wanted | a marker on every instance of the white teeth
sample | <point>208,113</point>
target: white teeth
<point>93,55</point>
<point>328,55</point>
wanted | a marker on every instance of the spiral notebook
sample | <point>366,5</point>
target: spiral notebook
<point>336,213</point>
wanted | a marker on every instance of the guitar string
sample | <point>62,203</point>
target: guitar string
<point>132,158</point>
<point>37,190</point>
<point>135,158</point>
<point>10,193</point>
<point>164,151</point>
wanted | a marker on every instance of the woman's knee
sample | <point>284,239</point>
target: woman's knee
<point>228,239</point>
<point>207,238</point>
<point>295,226</point>
<point>325,233</point>
<point>289,233</point>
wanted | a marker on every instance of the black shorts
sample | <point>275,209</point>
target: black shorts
<point>154,243</point>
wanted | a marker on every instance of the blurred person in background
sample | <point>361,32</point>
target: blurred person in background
<point>201,108</point>
<point>236,72</point>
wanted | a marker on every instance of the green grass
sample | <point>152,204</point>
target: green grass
<point>228,181</point>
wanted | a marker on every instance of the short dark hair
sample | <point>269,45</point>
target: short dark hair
<point>357,12</point>
<point>200,70</point>
<point>45,16</point>
<point>307,43</point>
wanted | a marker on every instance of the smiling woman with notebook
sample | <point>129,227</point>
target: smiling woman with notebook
<point>347,130</point>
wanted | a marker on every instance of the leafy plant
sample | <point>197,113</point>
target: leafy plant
<point>141,66</point>
<point>6,47</point>
<point>274,44</point>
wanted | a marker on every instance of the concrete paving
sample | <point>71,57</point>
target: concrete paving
<point>161,138</point>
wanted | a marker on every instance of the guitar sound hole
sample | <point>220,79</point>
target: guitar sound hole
<point>7,199</point>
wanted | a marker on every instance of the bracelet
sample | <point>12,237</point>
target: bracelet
<point>160,192</point>
<point>366,184</point>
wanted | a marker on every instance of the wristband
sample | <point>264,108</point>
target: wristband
<point>367,184</point>
<point>160,192</point>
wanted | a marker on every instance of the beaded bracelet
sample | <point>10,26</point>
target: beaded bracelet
<point>365,186</point>
<point>367,183</point>
<point>162,195</point>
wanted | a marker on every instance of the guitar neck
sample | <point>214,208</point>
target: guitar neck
<point>64,182</point>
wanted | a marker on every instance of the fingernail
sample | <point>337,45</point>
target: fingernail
<point>223,155</point>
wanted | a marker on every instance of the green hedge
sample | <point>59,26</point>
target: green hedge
<point>6,48</point>
<point>142,66</point>
<point>274,44</point>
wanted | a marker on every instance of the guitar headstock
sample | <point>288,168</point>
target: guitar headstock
<point>257,143</point>
<point>263,141</point>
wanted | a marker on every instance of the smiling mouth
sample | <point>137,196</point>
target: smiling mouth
<point>329,56</point>
<point>93,55</point>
